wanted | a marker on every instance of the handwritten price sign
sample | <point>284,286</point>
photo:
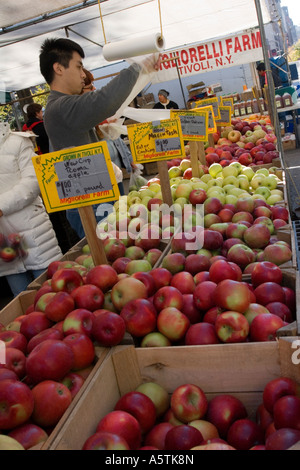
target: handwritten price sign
<point>194,124</point>
<point>76,177</point>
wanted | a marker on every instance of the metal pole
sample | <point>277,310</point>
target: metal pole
<point>273,108</point>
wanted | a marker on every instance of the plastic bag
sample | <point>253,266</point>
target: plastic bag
<point>12,244</point>
<point>136,180</point>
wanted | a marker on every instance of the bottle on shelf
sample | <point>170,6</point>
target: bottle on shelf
<point>242,106</point>
<point>249,107</point>
<point>279,102</point>
<point>287,100</point>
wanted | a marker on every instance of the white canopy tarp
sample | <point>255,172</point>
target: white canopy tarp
<point>181,22</point>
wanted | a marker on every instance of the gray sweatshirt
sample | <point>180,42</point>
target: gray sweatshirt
<point>69,120</point>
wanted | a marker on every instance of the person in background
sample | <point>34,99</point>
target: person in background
<point>261,70</point>
<point>35,124</point>
<point>164,102</point>
<point>70,117</point>
<point>22,209</point>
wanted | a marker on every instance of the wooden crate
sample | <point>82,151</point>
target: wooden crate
<point>240,370</point>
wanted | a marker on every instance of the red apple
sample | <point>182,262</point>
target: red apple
<point>282,439</point>
<point>232,327</point>
<point>265,326</point>
<point>232,295</point>
<point>268,292</point>
<point>157,394</point>
<point>201,277</point>
<point>52,359</point>
<point>263,417</point>
<point>108,329</point>
<point>48,333</point>
<point>17,403</point>
<point>197,196</point>
<point>123,424</point>
<point>168,296</point>
<point>15,360</point>
<point>174,262</point>
<point>141,407</point>
<point>7,373</point>
<point>222,269</point>
<point>58,306</point>
<point>201,333</point>
<point>88,296</point>
<point>139,316</point>
<point>188,402</point>
<point>66,280</point>
<point>34,323</point>
<point>73,382</point>
<point>82,348</point>
<point>190,310</point>
<point>266,272</point>
<point>157,435</point>
<point>119,265</point>
<point>183,437</point>
<point>278,388</point>
<point>184,282</point>
<point>162,277</point>
<point>196,263</point>
<point>172,323</point>
<point>281,310</point>
<point>113,248</point>
<point>148,280</point>
<point>286,412</point>
<point>204,295</point>
<point>223,410</point>
<point>14,339</point>
<point>29,435</point>
<point>105,441</point>
<point>244,434</point>
<point>127,289</point>
<point>277,253</point>
<point>241,254</point>
<point>51,400</point>
<point>79,320</point>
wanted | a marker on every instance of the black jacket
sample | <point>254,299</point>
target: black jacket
<point>170,105</point>
<point>37,126</point>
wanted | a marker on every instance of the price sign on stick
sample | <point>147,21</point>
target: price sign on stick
<point>194,124</point>
<point>78,177</point>
<point>214,102</point>
<point>156,141</point>
<point>225,116</point>
<point>224,101</point>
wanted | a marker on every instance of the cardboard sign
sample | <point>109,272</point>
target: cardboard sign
<point>76,177</point>
<point>156,141</point>
<point>214,102</point>
<point>194,124</point>
<point>225,116</point>
<point>212,126</point>
<point>227,102</point>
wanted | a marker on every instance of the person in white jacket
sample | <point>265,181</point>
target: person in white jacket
<point>22,209</point>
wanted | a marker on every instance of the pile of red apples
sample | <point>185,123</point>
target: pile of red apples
<point>149,419</point>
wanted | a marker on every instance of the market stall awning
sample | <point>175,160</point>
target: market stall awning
<point>25,25</point>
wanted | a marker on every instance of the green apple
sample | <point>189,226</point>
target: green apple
<point>155,187</point>
<point>214,182</point>
<point>174,172</point>
<point>181,201</point>
<point>184,164</point>
<point>248,172</point>
<point>236,165</point>
<point>183,190</point>
<point>199,185</point>
<point>257,180</point>
<point>231,199</point>
<point>214,169</point>
<point>271,182</point>
<point>228,187</point>
<point>258,196</point>
<point>218,195</point>
<point>277,191</point>
<point>175,180</point>
<point>215,189</point>
<point>133,194</point>
<point>206,177</point>
<point>263,171</point>
<point>236,192</point>
<point>146,193</point>
<point>86,249</point>
<point>263,191</point>
<point>273,199</point>
<point>231,180</point>
<point>229,171</point>
<point>134,200</point>
<point>145,200</point>
<point>195,179</point>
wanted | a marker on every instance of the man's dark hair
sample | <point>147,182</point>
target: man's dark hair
<point>57,50</point>
<point>261,67</point>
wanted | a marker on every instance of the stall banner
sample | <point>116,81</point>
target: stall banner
<point>194,123</point>
<point>214,55</point>
<point>156,141</point>
<point>76,177</point>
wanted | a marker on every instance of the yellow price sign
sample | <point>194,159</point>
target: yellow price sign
<point>194,123</point>
<point>214,102</point>
<point>76,177</point>
<point>225,116</point>
<point>224,101</point>
<point>156,141</point>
